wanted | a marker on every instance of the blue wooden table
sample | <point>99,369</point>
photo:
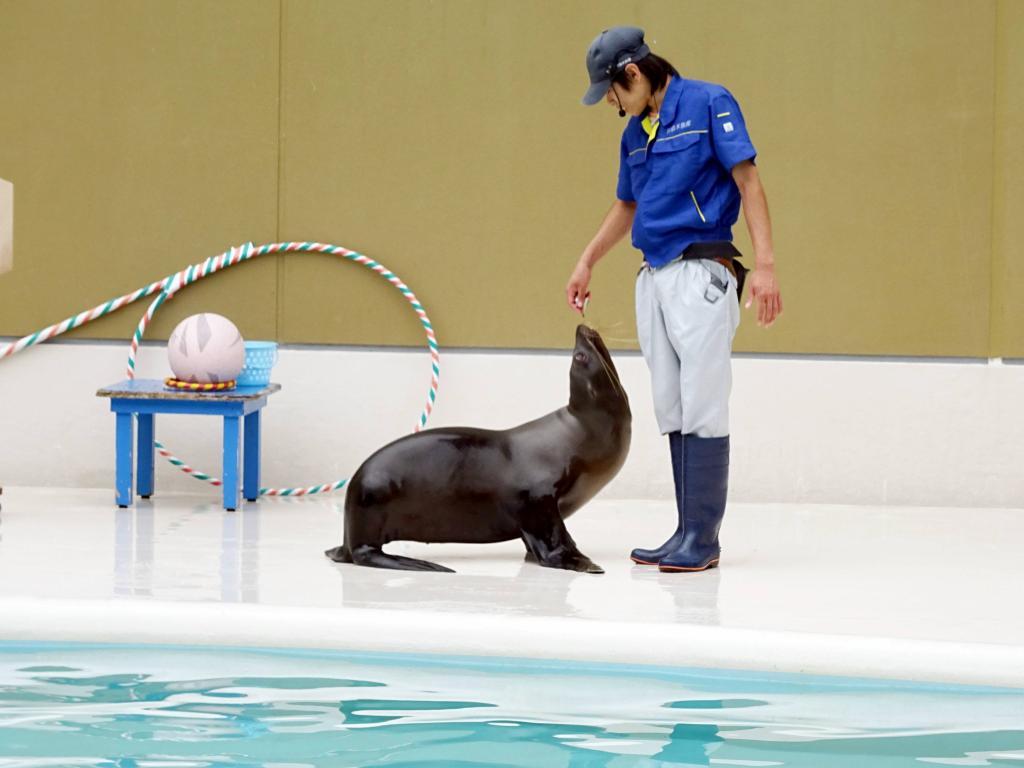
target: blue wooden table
<point>142,399</point>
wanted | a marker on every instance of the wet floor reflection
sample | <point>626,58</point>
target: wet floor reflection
<point>239,555</point>
<point>133,550</point>
<point>692,597</point>
<point>202,552</point>
<point>525,589</point>
<point>136,552</point>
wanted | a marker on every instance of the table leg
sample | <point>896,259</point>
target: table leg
<point>123,483</point>
<point>231,432</point>
<point>146,458</point>
<point>251,468</point>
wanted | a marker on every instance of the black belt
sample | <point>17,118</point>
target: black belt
<point>722,251</point>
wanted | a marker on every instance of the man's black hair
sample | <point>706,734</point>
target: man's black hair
<point>651,66</point>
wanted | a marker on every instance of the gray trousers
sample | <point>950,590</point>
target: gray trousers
<point>686,318</point>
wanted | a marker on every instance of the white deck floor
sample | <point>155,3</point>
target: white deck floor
<point>924,594</point>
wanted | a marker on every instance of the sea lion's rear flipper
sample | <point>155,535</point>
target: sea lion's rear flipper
<point>375,557</point>
<point>548,543</point>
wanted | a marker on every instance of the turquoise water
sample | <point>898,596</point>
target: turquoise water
<point>171,707</point>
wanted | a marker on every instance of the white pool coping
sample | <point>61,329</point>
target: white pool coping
<point>548,638</point>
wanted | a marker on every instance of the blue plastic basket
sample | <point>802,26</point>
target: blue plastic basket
<point>260,357</point>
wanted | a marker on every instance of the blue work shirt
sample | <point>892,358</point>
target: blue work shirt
<point>680,175</point>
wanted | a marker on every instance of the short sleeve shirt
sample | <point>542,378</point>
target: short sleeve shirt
<point>679,171</point>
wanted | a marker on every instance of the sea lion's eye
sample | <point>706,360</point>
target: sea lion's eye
<point>581,357</point>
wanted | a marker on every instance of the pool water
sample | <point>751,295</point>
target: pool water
<point>170,707</point>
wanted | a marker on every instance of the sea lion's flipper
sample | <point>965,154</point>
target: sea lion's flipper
<point>580,562</point>
<point>375,557</point>
<point>566,559</point>
<point>549,544</point>
<point>339,554</point>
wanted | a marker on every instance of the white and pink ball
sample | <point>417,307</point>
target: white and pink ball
<point>206,349</point>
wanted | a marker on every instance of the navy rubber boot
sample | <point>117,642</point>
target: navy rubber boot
<point>705,486</point>
<point>653,556</point>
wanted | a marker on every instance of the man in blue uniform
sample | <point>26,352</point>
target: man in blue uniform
<point>686,165</point>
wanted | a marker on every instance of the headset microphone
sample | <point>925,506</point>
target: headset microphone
<point>622,112</point>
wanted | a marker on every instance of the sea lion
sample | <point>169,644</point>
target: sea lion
<point>460,484</point>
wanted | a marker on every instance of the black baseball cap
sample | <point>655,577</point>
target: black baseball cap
<point>608,55</point>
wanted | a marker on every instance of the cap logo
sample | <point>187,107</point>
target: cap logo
<point>612,67</point>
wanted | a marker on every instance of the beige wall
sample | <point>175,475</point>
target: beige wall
<point>447,141</point>
<point>141,137</point>
<point>1008,184</point>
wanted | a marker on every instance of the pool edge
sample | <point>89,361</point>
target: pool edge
<point>552,638</point>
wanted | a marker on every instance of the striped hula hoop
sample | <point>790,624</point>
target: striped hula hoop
<point>170,285</point>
